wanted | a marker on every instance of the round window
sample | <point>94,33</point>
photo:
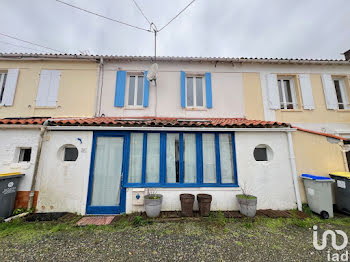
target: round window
<point>68,153</point>
<point>263,153</point>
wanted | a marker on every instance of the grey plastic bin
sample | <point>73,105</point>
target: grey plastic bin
<point>342,191</point>
<point>8,190</point>
<point>318,190</point>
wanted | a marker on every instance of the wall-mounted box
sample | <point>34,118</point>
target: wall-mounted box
<point>138,196</point>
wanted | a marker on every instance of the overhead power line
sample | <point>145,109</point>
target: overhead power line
<point>21,46</point>
<point>105,17</point>
<point>138,7</point>
<point>25,41</point>
<point>177,15</point>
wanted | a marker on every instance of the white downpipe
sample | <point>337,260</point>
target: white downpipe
<point>294,170</point>
<point>99,85</point>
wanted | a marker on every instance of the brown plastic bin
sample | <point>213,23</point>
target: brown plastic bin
<point>187,201</point>
<point>204,202</point>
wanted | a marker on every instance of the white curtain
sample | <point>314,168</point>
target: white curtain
<point>152,159</point>
<point>189,158</point>
<point>172,154</point>
<point>226,158</point>
<point>135,159</point>
<point>209,161</point>
<point>107,171</point>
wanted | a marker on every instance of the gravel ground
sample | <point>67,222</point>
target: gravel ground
<point>219,240</point>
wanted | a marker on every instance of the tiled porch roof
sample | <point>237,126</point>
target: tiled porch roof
<point>148,121</point>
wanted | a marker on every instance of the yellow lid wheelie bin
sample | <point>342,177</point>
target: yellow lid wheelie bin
<point>342,190</point>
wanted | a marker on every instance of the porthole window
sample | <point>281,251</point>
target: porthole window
<point>70,153</point>
<point>263,153</point>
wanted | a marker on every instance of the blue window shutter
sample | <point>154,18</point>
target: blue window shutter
<point>120,89</point>
<point>145,90</point>
<point>183,90</point>
<point>208,90</point>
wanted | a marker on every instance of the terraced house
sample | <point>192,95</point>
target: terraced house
<point>107,134</point>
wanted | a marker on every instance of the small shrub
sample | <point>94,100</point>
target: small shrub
<point>139,221</point>
<point>18,211</point>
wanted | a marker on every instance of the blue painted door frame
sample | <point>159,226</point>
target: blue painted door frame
<point>109,209</point>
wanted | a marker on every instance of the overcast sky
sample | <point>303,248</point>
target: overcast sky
<point>225,28</point>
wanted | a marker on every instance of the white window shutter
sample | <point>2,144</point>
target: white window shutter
<point>329,92</point>
<point>10,87</point>
<point>272,91</point>
<point>54,85</point>
<point>43,89</point>
<point>306,91</point>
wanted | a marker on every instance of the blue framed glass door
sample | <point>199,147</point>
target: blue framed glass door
<point>106,193</point>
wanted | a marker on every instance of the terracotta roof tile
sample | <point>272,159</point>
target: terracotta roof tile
<point>147,121</point>
<point>320,133</point>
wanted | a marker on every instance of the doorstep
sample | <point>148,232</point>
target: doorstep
<point>95,220</point>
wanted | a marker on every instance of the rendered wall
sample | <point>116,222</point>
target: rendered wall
<point>63,185</point>
<point>321,119</point>
<point>315,155</point>
<point>11,140</point>
<point>165,100</point>
<point>271,182</point>
<point>76,93</point>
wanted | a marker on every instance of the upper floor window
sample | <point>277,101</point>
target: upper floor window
<point>135,90</point>
<point>287,93</point>
<point>48,88</point>
<point>3,77</point>
<point>195,91</point>
<point>340,89</point>
<point>8,83</point>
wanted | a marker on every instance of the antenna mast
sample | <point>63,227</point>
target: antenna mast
<point>155,31</point>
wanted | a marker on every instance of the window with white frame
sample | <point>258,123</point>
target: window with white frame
<point>135,90</point>
<point>3,77</point>
<point>340,89</point>
<point>195,91</point>
<point>287,93</point>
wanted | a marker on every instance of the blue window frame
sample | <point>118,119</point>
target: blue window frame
<point>184,168</point>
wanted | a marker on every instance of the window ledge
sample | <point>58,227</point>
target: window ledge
<point>291,110</point>
<point>343,110</point>
<point>46,107</point>
<point>134,108</point>
<point>196,109</point>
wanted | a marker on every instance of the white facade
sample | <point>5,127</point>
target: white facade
<point>63,186</point>
<point>11,140</point>
<point>165,99</point>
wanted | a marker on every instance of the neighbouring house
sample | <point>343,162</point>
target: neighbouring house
<point>209,125</point>
<point>36,86</point>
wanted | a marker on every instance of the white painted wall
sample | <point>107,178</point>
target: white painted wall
<point>165,100</point>
<point>63,185</point>
<point>271,182</point>
<point>11,140</point>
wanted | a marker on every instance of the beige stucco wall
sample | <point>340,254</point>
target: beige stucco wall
<point>254,108</point>
<point>320,114</point>
<point>314,154</point>
<point>76,94</point>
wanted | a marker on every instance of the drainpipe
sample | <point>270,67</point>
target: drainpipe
<point>294,170</point>
<point>98,97</point>
<point>36,164</point>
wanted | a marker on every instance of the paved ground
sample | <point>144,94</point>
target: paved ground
<point>137,239</point>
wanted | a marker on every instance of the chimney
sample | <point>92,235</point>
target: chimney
<point>347,55</point>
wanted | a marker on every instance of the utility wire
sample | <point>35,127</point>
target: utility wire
<point>31,43</point>
<point>105,17</point>
<point>7,43</point>
<point>138,7</point>
<point>177,15</point>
